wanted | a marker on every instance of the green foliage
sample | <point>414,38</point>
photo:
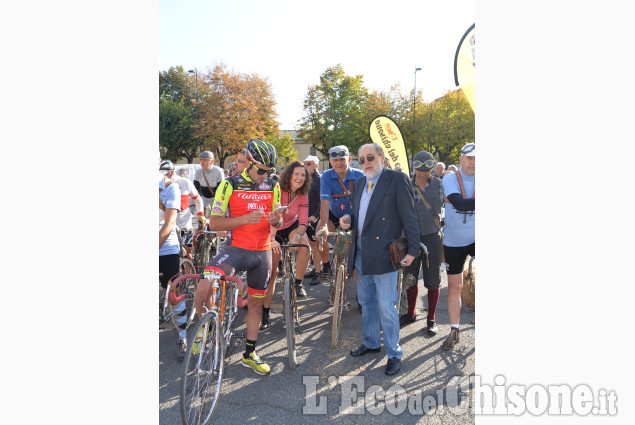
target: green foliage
<point>175,130</point>
<point>177,84</point>
<point>285,146</point>
<point>334,111</point>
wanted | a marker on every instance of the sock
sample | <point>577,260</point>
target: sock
<point>412,293</point>
<point>433,300</point>
<point>180,318</point>
<point>454,326</point>
<point>250,347</point>
<point>298,281</point>
<point>265,311</point>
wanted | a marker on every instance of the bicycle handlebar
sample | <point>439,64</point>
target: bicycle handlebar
<point>295,245</point>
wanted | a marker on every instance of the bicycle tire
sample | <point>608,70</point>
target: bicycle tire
<point>401,292</point>
<point>338,305</point>
<point>187,287</point>
<point>289,319</point>
<point>200,384</point>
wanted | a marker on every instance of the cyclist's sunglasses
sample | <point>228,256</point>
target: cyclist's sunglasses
<point>261,171</point>
<point>468,148</point>
<point>428,164</point>
<point>369,158</point>
<point>339,153</point>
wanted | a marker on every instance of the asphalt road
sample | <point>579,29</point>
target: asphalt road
<point>317,390</point>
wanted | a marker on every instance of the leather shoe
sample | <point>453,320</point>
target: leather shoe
<point>404,319</point>
<point>432,327</point>
<point>392,366</point>
<point>362,349</point>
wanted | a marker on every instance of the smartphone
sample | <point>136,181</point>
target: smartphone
<point>281,209</point>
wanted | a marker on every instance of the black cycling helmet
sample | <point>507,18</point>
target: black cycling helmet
<point>262,153</point>
<point>166,165</point>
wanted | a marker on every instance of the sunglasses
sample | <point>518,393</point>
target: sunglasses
<point>308,164</point>
<point>261,171</point>
<point>339,153</point>
<point>369,158</point>
<point>468,148</point>
<point>428,163</point>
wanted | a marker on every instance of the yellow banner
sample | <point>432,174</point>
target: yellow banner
<point>385,131</point>
<point>464,66</point>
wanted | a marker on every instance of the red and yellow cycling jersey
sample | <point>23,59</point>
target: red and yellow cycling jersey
<point>240,195</point>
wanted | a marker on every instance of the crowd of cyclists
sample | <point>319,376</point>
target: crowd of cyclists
<point>254,211</point>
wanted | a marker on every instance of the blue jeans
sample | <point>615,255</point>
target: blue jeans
<point>378,297</point>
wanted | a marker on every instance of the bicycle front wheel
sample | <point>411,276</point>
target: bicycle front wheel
<point>203,372</point>
<point>187,287</point>
<point>289,318</point>
<point>338,304</point>
<point>401,291</point>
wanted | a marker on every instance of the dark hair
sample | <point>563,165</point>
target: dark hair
<point>287,173</point>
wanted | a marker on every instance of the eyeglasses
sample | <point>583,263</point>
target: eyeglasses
<point>468,148</point>
<point>362,160</point>
<point>428,163</point>
<point>341,152</point>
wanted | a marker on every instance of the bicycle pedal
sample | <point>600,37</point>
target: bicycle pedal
<point>238,339</point>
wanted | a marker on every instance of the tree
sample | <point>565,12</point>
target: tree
<point>448,124</point>
<point>233,108</point>
<point>177,115</point>
<point>176,84</point>
<point>334,112</point>
<point>175,130</point>
<point>285,146</point>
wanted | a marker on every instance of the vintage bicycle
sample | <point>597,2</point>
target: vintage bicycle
<point>290,301</point>
<point>337,290</point>
<point>205,358</point>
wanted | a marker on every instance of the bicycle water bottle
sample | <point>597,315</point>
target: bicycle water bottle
<point>215,287</point>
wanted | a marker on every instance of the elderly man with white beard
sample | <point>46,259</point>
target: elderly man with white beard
<point>383,209</point>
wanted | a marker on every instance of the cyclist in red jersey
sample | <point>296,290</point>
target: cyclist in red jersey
<point>252,198</point>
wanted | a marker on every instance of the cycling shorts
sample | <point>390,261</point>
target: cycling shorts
<point>257,264</point>
<point>455,257</point>
<point>282,236</point>
<point>169,266</point>
<point>334,220</point>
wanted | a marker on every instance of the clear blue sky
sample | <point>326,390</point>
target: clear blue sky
<point>292,42</point>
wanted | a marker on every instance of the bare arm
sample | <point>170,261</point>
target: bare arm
<point>324,212</point>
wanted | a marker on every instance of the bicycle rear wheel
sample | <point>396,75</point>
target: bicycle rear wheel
<point>289,318</point>
<point>203,372</point>
<point>187,287</point>
<point>338,304</point>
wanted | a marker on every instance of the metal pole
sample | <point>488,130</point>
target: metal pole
<point>414,112</point>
